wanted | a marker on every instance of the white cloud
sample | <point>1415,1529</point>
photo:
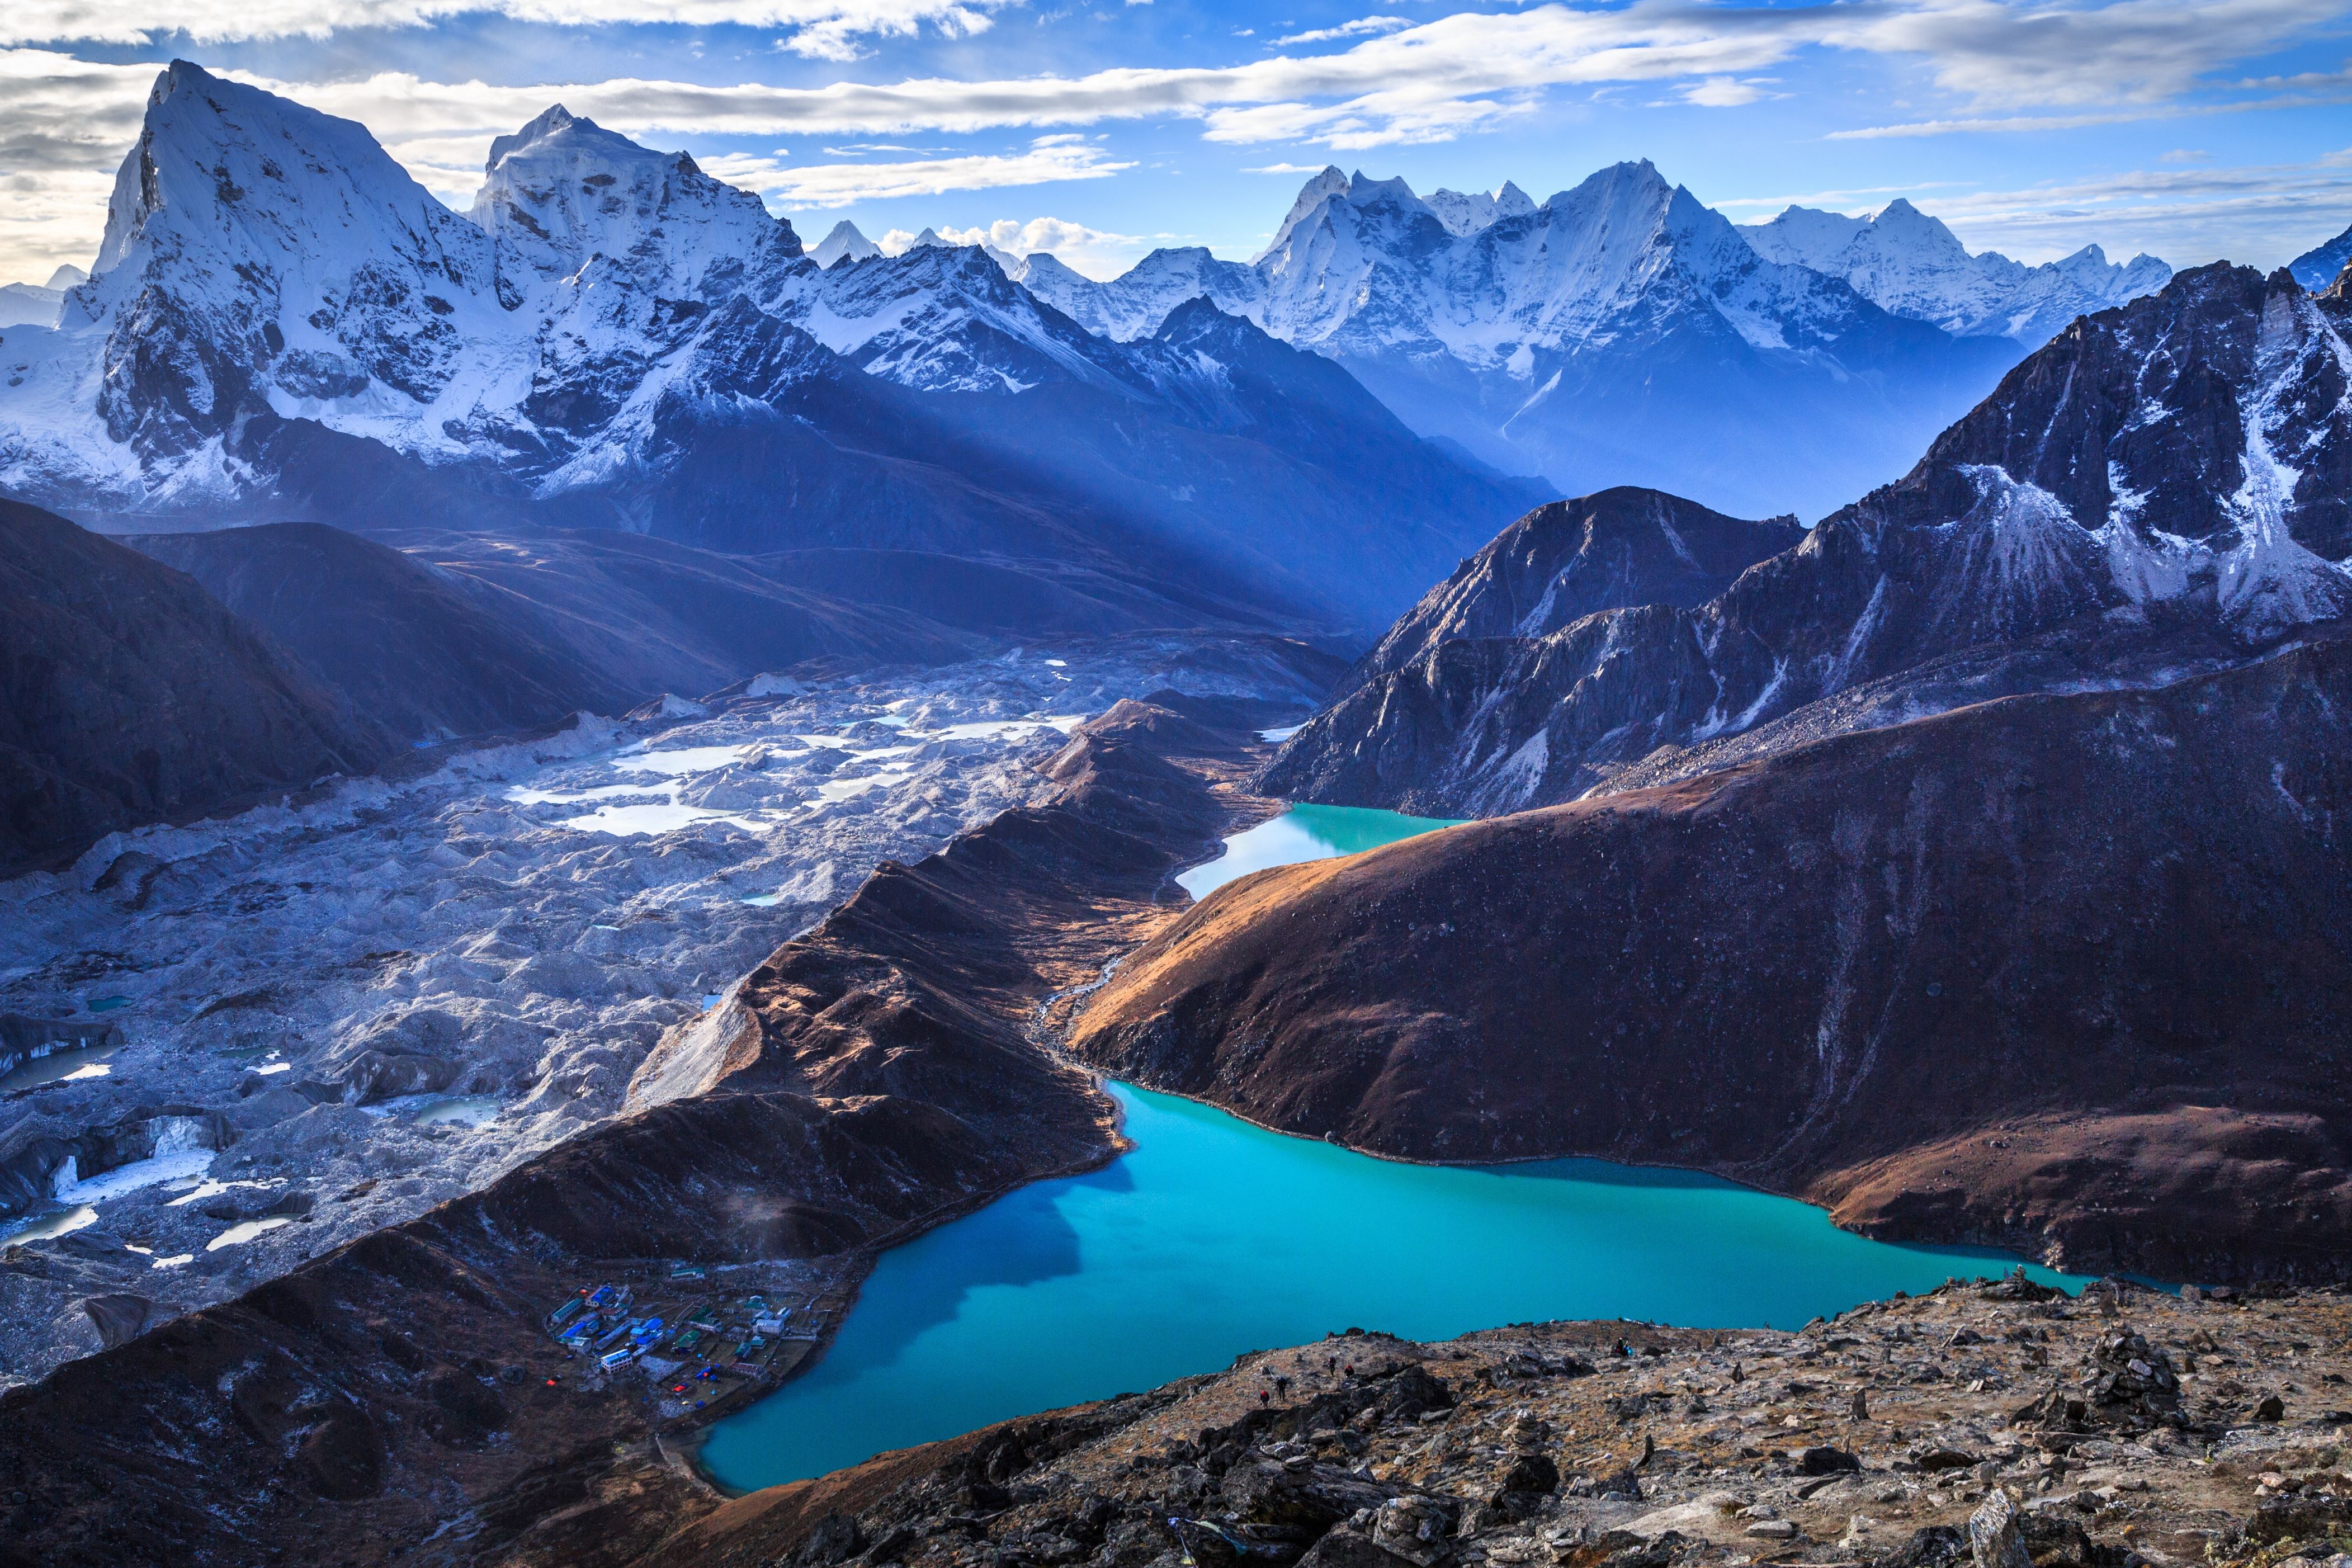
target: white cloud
<point>1038,233</point>
<point>1451,75</point>
<point>1357,29</point>
<point>1048,159</point>
<point>2002,53</point>
<point>1093,251</point>
<point>64,131</point>
<point>821,29</point>
<point>1721,92</point>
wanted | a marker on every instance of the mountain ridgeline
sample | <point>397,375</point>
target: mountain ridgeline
<point>2167,487</point>
<point>284,325</point>
<point>1620,332</point>
<point>132,694</point>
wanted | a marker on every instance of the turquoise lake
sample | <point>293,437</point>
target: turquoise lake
<point>1304,832</point>
<point>1213,1237</point>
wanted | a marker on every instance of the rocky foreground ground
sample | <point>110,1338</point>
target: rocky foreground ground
<point>1991,1423</point>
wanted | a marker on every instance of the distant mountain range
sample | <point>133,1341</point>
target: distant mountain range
<point>1906,262</point>
<point>1622,333</point>
<point>283,324</point>
<point>36,304</point>
<point>611,337</point>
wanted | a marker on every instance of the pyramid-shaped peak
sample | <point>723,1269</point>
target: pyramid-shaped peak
<point>1332,182</point>
<point>563,190</point>
<point>846,242</point>
<point>1635,179</point>
<point>555,118</point>
<point>210,148</point>
<point>558,132</point>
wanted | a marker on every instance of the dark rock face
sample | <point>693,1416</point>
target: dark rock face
<point>408,647</point>
<point>1570,559</point>
<point>2062,973</point>
<point>2164,487</point>
<point>128,694</point>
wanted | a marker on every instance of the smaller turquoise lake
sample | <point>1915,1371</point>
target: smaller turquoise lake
<point>1213,1237</point>
<point>1304,832</point>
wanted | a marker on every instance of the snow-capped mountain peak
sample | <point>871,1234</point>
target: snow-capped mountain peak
<point>843,242</point>
<point>1139,301</point>
<point>1910,263</point>
<point>1467,214</point>
<point>1331,182</point>
<point>564,189</point>
<point>251,242</point>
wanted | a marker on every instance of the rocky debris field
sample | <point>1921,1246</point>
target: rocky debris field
<point>318,1018</point>
<point>1995,1424</point>
<point>402,1398</point>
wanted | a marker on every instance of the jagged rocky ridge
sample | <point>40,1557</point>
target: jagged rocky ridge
<point>1572,558</point>
<point>2167,487</point>
<point>2063,974</point>
<point>283,324</point>
<point>1617,333</point>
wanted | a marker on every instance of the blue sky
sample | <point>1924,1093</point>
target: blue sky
<point>2194,129</point>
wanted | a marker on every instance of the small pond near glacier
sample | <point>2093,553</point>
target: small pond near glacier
<point>1305,833</point>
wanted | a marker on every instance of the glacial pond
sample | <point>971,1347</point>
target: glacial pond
<point>1305,833</point>
<point>1213,1237</point>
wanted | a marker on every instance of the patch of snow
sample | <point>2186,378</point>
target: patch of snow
<point>245,1230</point>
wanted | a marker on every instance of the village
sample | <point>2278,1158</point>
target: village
<point>699,1346</point>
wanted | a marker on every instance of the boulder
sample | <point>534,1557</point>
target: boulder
<point>118,1318</point>
<point>1995,1537</point>
<point>1418,1529</point>
<point>375,1076</point>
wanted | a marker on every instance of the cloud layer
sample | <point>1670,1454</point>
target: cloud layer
<point>821,29</point>
<point>1048,159</point>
